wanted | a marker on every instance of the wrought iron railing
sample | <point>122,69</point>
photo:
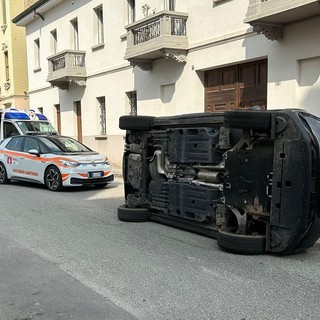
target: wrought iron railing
<point>178,27</point>
<point>165,23</point>
<point>147,32</point>
<point>58,63</point>
<point>68,59</point>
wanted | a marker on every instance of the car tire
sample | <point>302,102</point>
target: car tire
<point>247,119</point>
<point>3,174</point>
<point>135,122</point>
<point>133,214</point>
<point>228,240</point>
<point>52,178</point>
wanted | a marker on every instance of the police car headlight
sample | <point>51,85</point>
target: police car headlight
<point>69,163</point>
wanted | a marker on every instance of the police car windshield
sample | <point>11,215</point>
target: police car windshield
<point>38,126</point>
<point>58,144</point>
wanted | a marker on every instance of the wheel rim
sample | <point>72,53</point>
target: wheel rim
<point>2,173</point>
<point>53,179</point>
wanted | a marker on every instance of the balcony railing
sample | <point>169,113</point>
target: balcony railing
<point>271,15</point>
<point>161,35</point>
<point>153,30</point>
<point>67,67</point>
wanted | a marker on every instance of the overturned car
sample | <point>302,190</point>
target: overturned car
<point>250,179</point>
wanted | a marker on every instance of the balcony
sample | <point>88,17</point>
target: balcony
<point>161,35</point>
<point>67,67</point>
<point>269,16</point>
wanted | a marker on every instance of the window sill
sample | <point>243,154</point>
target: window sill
<point>97,47</point>
<point>101,137</point>
<point>37,69</point>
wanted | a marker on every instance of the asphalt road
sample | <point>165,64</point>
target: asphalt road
<point>92,261</point>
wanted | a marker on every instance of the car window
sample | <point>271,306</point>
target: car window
<point>64,144</point>
<point>15,144</point>
<point>31,143</point>
<point>9,130</point>
<point>35,126</point>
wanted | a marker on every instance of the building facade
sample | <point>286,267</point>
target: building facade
<point>13,59</point>
<point>92,61</point>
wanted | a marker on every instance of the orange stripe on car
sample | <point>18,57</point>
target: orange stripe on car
<point>35,158</point>
<point>65,176</point>
<point>85,175</point>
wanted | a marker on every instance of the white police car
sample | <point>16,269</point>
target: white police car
<point>53,160</point>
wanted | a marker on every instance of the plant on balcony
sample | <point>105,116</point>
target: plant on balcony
<point>145,9</point>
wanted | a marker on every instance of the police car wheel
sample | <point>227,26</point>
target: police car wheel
<point>53,179</point>
<point>3,174</point>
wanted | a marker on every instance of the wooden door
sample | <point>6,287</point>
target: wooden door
<point>236,87</point>
<point>58,113</point>
<point>79,121</point>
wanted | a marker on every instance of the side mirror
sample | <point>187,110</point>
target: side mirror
<point>34,152</point>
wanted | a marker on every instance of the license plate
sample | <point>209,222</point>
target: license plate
<point>95,174</point>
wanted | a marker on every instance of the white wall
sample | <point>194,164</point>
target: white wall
<point>233,46</point>
<point>217,37</point>
<point>299,43</point>
<point>108,74</point>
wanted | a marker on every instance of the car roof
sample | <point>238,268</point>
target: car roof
<point>42,135</point>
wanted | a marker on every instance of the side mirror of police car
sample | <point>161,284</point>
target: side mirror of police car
<point>34,152</point>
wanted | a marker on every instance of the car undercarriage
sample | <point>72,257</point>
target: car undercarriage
<point>250,179</point>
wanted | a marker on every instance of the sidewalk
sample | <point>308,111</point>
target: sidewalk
<point>33,288</point>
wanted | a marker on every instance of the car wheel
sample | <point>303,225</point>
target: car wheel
<point>240,243</point>
<point>246,119</point>
<point>3,174</point>
<point>135,122</point>
<point>53,179</point>
<point>133,214</point>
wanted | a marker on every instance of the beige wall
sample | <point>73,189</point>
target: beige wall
<point>14,39</point>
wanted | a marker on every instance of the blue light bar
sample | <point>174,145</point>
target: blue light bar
<point>16,115</point>
<point>41,116</point>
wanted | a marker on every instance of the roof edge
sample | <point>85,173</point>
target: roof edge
<point>28,11</point>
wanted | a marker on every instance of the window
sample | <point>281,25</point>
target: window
<point>74,34</point>
<point>103,115</point>
<point>132,99</point>
<point>167,92</point>
<point>15,144</point>
<point>37,54</point>
<point>9,130</point>
<point>6,65</point>
<point>98,28</point>
<point>53,41</point>
<point>30,143</point>
<point>169,5</point>
<point>131,11</point>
